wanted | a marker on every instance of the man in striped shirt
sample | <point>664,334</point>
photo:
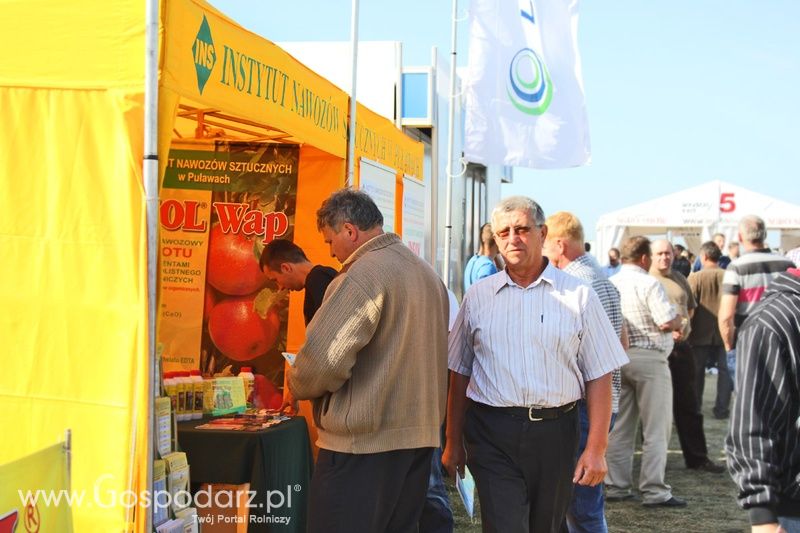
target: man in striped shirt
<point>646,381</point>
<point>565,250</point>
<point>528,343</point>
<point>745,280</point>
<point>764,441</point>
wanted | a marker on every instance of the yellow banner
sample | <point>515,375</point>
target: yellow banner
<point>378,139</point>
<point>210,59</point>
<point>35,493</point>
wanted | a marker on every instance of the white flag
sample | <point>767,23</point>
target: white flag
<point>524,92</point>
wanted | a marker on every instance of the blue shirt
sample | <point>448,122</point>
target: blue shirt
<point>609,270</point>
<point>478,267</point>
<point>723,263</point>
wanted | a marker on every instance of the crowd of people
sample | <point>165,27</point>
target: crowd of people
<point>552,365</point>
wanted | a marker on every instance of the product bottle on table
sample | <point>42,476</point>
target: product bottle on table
<point>246,373</point>
<point>171,390</point>
<point>197,389</point>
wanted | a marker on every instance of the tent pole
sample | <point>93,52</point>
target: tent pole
<point>351,140</point>
<point>68,456</point>
<point>150,176</point>
<point>448,222</point>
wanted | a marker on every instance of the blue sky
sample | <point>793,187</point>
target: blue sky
<point>678,93</point>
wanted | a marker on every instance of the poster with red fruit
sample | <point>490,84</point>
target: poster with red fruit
<point>220,205</point>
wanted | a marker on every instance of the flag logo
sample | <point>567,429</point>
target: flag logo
<point>530,88</point>
<point>204,54</point>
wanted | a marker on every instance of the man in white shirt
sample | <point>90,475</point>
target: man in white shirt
<point>646,381</point>
<point>528,343</point>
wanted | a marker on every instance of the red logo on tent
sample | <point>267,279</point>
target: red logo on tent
<point>8,522</point>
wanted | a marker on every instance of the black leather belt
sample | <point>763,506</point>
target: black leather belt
<point>534,414</point>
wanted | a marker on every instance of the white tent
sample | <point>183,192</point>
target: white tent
<point>696,214</point>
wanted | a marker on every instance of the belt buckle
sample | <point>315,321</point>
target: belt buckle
<point>530,414</point>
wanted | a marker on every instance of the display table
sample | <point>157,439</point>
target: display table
<point>274,460</point>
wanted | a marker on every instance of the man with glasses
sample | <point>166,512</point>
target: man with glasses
<point>528,343</point>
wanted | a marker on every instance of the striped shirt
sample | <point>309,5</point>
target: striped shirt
<point>644,307</point>
<point>748,276</point>
<point>534,345</point>
<point>763,445</point>
<point>587,269</point>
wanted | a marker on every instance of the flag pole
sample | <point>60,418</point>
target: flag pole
<point>351,140</point>
<point>448,217</point>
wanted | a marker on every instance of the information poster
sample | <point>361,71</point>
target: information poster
<point>380,182</point>
<point>414,214</point>
<point>219,207</point>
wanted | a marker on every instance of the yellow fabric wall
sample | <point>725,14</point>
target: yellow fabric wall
<point>73,296</point>
<point>89,44</point>
<point>73,284</point>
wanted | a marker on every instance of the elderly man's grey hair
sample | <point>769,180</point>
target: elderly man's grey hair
<point>753,229</point>
<point>354,207</point>
<point>518,203</point>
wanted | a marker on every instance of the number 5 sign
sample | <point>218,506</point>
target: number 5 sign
<point>727,204</point>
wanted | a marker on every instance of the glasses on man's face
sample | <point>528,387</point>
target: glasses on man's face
<point>521,231</point>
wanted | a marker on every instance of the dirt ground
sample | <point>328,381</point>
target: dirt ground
<point>712,507</point>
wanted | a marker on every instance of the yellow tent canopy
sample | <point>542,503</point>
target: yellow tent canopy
<point>73,224</point>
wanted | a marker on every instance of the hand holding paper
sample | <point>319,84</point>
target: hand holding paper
<point>466,489</point>
<point>454,458</point>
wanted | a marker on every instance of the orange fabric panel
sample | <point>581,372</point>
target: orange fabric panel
<point>319,175</point>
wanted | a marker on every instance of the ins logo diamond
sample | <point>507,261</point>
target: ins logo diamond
<point>529,86</point>
<point>204,54</point>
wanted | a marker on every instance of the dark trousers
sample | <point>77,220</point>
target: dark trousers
<point>368,493</point>
<point>685,407</point>
<point>437,516</point>
<point>523,470</point>
<point>716,356</point>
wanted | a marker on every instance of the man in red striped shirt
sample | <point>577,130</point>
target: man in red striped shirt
<point>745,280</point>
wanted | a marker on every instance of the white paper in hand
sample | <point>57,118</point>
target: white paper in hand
<point>466,489</point>
<point>289,357</point>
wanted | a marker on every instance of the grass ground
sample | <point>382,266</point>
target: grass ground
<point>712,507</point>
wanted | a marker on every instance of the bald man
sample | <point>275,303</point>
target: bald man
<point>685,406</point>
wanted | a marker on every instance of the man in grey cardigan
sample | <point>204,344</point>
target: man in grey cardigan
<point>375,366</point>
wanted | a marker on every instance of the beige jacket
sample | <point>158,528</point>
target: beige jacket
<point>375,357</point>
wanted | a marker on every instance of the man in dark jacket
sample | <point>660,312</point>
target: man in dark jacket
<point>287,265</point>
<point>764,442</point>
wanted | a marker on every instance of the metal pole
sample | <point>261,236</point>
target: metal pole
<point>398,88</point>
<point>150,176</point>
<point>448,222</point>
<point>351,141</point>
<point>435,148</point>
<point>68,456</point>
